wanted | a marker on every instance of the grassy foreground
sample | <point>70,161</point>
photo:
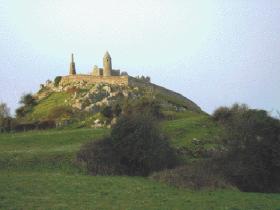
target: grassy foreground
<point>31,190</point>
<point>38,171</point>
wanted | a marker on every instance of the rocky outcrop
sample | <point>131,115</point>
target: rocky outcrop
<point>91,98</point>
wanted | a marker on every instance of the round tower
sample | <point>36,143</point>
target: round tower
<point>107,64</point>
<point>72,70</point>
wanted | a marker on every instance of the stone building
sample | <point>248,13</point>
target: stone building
<point>107,70</point>
<point>72,70</point>
<point>105,75</point>
<point>98,75</point>
<point>107,64</point>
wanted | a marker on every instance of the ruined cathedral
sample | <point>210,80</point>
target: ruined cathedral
<point>98,75</point>
<point>105,71</point>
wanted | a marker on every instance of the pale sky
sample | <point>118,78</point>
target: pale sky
<point>214,52</point>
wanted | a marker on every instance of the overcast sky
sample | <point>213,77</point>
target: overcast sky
<point>214,52</point>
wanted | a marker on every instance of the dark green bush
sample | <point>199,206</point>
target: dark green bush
<point>198,175</point>
<point>222,114</point>
<point>46,124</point>
<point>26,126</point>
<point>144,105</point>
<point>6,124</point>
<point>23,110</point>
<point>136,147</point>
<point>61,112</point>
<point>117,110</point>
<point>252,143</point>
<point>57,81</point>
<point>143,78</point>
<point>100,158</point>
<point>141,146</point>
<point>20,112</point>
<point>107,111</point>
<point>28,100</point>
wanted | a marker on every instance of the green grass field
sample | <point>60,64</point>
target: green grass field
<point>45,106</point>
<point>188,126</point>
<point>38,171</point>
<point>33,190</point>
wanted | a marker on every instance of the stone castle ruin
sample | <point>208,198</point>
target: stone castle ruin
<point>107,68</point>
<point>98,75</point>
<point>104,85</point>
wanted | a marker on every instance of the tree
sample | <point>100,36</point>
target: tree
<point>4,110</point>
<point>20,112</point>
<point>57,81</point>
<point>5,119</point>
<point>27,100</point>
<point>252,143</point>
<point>143,78</point>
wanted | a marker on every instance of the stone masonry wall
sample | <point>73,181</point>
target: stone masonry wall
<point>115,80</point>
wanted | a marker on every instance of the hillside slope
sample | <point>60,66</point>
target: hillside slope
<point>38,171</point>
<point>82,101</point>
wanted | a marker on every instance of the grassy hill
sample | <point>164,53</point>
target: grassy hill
<point>86,100</point>
<point>45,106</point>
<point>188,126</point>
<point>38,171</point>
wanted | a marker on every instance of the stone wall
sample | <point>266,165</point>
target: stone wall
<point>115,80</point>
<point>137,83</point>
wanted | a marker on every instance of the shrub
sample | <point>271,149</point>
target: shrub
<point>46,124</point>
<point>252,143</point>
<point>5,119</point>
<point>144,105</point>
<point>60,112</point>
<point>26,126</point>
<point>20,112</point>
<point>107,111</point>
<point>226,114</point>
<point>72,90</point>
<point>222,114</point>
<point>143,78</point>
<point>124,73</point>
<point>57,81</point>
<point>4,110</point>
<point>136,147</point>
<point>99,157</point>
<point>202,174</point>
<point>117,110</point>
<point>28,100</point>
<point>6,124</point>
<point>140,146</point>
